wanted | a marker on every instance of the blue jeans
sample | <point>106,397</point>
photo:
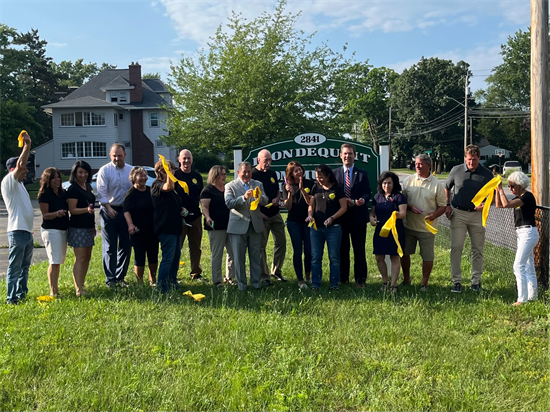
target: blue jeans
<point>20,255</point>
<point>169,265</point>
<point>301,243</point>
<point>116,246</point>
<point>333,236</point>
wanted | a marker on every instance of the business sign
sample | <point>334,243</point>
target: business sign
<point>313,149</point>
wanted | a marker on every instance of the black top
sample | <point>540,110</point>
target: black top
<point>55,203</point>
<point>219,213</point>
<point>84,199</point>
<point>271,188</point>
<point>525,215</point>
<point>140,206</point>
<point>167,207</point>
<point>327,202</point>
<point>298,212</point>
<point>466,184</point>
<point>191,200</point>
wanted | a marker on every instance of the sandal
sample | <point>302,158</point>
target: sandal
<point>232,282</point>
<point>384,287</point>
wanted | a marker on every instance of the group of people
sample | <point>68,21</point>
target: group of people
<point>240,215</point>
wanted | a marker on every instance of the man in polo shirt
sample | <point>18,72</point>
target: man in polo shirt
<point>20,220</point>
<point>113,181</point>
<point>426,200</point>
<point>273,221</point>
<point>463,183</point>
<point>191,228</point>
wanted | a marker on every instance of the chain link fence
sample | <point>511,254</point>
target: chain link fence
<point>500,247</point>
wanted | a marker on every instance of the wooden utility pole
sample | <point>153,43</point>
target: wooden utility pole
<point>540,142</point>
<point>389,141</point>
<point>471,131</point>
<point>466,112</point>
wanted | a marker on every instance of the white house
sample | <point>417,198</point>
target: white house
<point>116,106</point>
<point>487,150</point>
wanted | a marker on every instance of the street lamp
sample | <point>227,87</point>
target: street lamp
<point>465,117</point>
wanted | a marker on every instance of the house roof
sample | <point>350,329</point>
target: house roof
<point>92,93</point>
<point>156,85</point>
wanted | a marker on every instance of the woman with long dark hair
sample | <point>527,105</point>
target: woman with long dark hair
<point>326,205</point>
<point>82,231</point>
<point>389,199</point>
<point>55,222</point>
<point>296,193</point>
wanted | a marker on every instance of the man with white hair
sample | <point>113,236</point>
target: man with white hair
<point>20,220</point>
<point>426,201</point>
<point>273,221</point>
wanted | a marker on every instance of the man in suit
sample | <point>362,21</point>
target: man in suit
<point>245,226</point>
<point>354,222</point>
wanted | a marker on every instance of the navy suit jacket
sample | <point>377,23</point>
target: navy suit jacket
<point>360,189</point>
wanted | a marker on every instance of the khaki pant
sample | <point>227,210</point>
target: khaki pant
<point>275,225</point>
<point>462,222</point>
<point>194,239</point>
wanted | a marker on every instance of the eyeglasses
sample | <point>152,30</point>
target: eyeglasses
<point>511,186</point>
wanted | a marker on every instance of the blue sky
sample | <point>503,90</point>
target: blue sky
<point>388,33</point>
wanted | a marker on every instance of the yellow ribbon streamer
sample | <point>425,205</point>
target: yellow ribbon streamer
<point>390,226</point>
<point>20,138</point>
<point>312,223</point>
<point>171,176</point>
<point>197,296</point>
<point>268,206</point>
<point>257,195</point>
<point>430,227</point>
<point>487,191</point>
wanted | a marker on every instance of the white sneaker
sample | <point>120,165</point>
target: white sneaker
<point>303,286</point>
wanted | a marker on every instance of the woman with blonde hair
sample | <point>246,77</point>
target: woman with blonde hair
<point>524,205</point>
<point>55,222</point>
<point>216,218</point>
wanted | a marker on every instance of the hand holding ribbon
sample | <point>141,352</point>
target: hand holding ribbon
<point>312,224</point>
<point>20,138</point>
<point>487,191</point>
<point>171,176</point>
<point>429,226</point>
<point>390,226</point>
<point>257,197</point>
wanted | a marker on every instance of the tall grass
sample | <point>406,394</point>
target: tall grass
<point>276,349</point>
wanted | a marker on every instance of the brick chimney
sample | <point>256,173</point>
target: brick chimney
<point>136,94</point>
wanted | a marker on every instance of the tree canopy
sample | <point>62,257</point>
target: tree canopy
<point>259,81</point>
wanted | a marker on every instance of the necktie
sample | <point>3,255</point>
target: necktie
<point>347,186</point>
<point>246,186</point>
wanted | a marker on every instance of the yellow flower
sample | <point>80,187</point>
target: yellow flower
<point>182,263</point>
<point>332,196</point>
<point>45,298</point>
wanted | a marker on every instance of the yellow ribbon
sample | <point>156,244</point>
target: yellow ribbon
<point>312,223</point>
<point>487,191</point>
<point>45,298</point>
<point>268,206</point>
<point>171,176</point>
<point>20,138</point>
<point>390,225</point>
<point>257,195</point>
<point>197,296</point>
<point>430,227</point>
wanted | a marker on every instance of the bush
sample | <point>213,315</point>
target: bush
<point>204,161</point>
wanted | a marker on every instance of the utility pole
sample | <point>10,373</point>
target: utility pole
<point>471,140</point>
<point>466,112</point>
<point>540,141</point>
<point>389,142</point>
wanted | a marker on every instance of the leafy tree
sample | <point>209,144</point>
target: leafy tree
<point>155,75</point>
<point>258,83</point>
<point>78,73</point>
<point>362,96</point>
<point>426,116</point>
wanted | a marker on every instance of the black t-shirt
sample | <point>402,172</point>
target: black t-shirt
<point>167,206</point>
<point>298,212</point>
<point>55,203</point>
<point>525,215</point>
<point>219,213</point>
<point>327,202</point>
<point>84,199</point>
<point>140,206</point>
<point>271,188</point>
<point>191,200</point>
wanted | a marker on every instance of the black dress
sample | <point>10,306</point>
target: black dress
<point>384,208</point>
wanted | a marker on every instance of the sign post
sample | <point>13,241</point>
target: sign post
<point>499,153</point>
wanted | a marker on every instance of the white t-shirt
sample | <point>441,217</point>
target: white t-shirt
<point>18,204</point>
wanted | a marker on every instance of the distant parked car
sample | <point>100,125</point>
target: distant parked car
<point>150,179</point>
<point>511,165</point>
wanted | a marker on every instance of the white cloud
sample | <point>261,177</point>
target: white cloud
<point>57,45</point>
<point>197,20</point>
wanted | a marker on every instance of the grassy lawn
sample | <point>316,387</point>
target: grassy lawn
<point>278,349</point>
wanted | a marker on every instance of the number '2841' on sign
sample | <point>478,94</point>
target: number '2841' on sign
<point>310,139</point>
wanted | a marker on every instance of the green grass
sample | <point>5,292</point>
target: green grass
<point>278,349</point>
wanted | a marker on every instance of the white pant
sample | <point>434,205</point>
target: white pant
<point>524,265</point>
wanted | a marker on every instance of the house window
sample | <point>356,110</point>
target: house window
<point>93,119</point>
<point>67,120</point>
<point>83,149</point>
<point>154,119</point>
<point>160,143</point>
<point>121,117</point>
<point>122,97</point>
<point>116,119</point>
<point>127,144</point>
<point>114,97</point>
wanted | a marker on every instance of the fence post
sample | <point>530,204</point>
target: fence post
<point>384,157</point>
